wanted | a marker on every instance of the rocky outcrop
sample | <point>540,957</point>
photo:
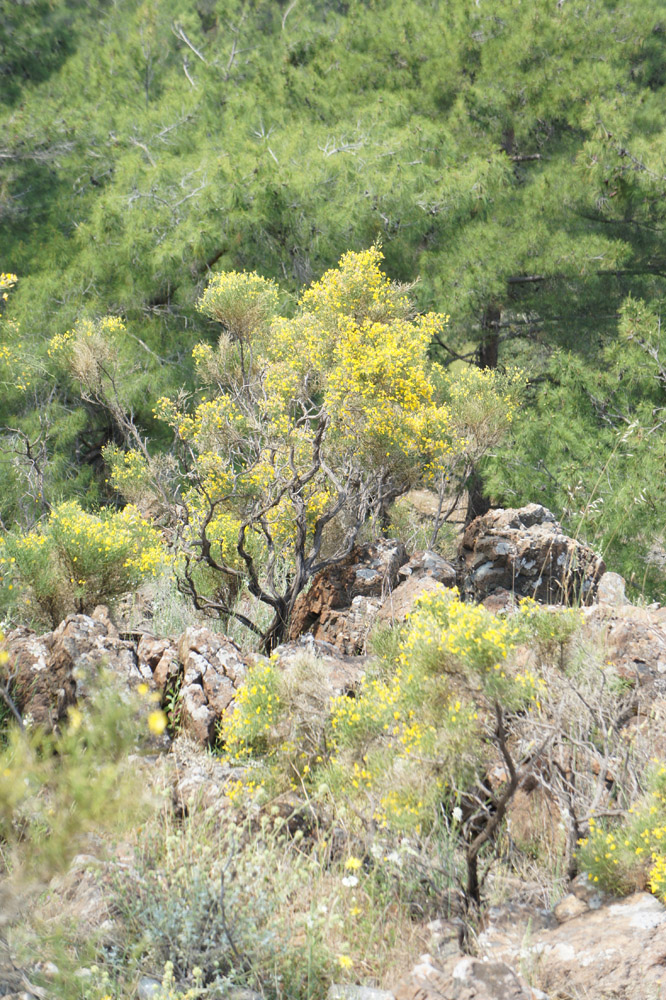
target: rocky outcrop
<point>344,600</point>
<point>213,668</point>
<point>423,572</point>
<point>525,551</point>
<point>376,583</point>
<point>445,973</point>
<point>50,672</point>
<point>204,667</point>
<point>615,949</point>
<point>590,945</point>
<point>634,642</point>
<point>159,657</point>
<point>343,673</point>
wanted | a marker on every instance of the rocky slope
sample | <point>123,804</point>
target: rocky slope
<point>588,945</point>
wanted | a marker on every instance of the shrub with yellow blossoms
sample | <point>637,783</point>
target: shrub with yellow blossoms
<point>425,727</point>
<point>629,853</point>
<point>7,282</point>
<point>308,425</point>
<point>74,559</point>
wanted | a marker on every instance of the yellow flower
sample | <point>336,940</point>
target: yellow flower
<point>75,718</point>
<point>345,962</point>
<point>353,864</point>
<point>157,722</point>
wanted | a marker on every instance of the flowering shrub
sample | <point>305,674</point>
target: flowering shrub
<point>306,426</point>
<point>92,335</point>
<point>550,628</point>
<point>243,303</point>
<point>630,854</point>
<point>7,282</point>
<point>18,366</point>
<point>74,560</point>
<point>256,708</point>
<point>413,735</point>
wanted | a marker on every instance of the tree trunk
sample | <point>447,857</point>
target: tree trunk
<point>472,889</point>
<point>489,347</point>
<point>477,502</point>
<point>487,357</point>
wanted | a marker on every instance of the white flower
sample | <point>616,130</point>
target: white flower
<point>457,814</point>
<point>350,881</point>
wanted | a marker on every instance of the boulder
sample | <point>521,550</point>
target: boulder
<point>634,642</point>
<point>50,672</point>
<point>526,552</point>
<point>81,643</point>
<point>425,571</point>
<point>160,657</point>
<point>464,978</point>
<point>195,778</point>
<point>346,992</point>
<point>344,600</point>
<point>83,896</point>
<point>610,590</point>
<point>343,673</point>
<point>428,564</point>
<point>148,988</point>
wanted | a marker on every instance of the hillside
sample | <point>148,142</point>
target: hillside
<point>408,773</point>
<point>332,518</point>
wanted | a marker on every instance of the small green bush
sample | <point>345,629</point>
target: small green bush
<point>223,905</point>
<point>55,788</point>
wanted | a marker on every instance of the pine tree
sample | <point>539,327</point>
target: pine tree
<point>509,156</point>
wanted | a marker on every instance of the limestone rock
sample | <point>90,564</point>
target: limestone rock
<point>160,657</point>
<point>446,937</point>
<point>474,979</point>
<point>402,601</point>
<point>83,895</point>
<point>41,692</point>
<point>635,642</point>
<point>464,978</point>
<point>344,992</point>
<point>197,779</point>
<point>611,590</point>
<point>426,981</point>
<point>425,571</point>
<point>82,643</point>
<point>429,564</point>
<point>148,988</point>
<point>526,552</point>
